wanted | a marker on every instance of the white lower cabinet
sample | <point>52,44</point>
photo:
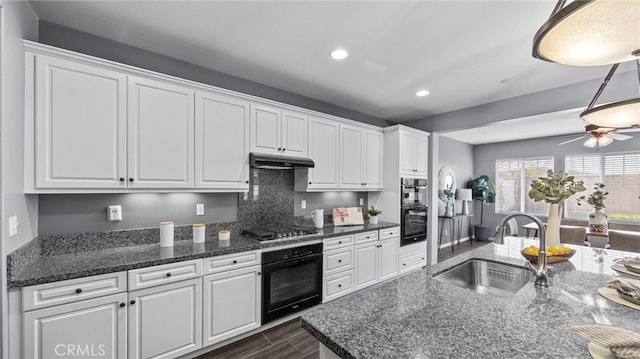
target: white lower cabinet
<point>376,261</point>
<point>231,303</point>
<point>413,256</point>
<point>165,321</point>
<point>89,328</point>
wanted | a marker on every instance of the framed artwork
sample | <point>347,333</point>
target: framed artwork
<point>348,216</point>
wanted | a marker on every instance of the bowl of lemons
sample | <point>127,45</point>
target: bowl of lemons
<point>555,253</point>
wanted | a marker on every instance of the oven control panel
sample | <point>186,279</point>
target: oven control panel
<point>291,253</point>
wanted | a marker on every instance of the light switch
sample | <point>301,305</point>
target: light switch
<point>13,226</point>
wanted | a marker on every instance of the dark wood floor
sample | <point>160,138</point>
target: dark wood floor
<point>288,340</point>
<point>285,341</point>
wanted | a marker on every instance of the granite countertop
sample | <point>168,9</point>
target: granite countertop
<point>28,266</point>
<point>415,316</point>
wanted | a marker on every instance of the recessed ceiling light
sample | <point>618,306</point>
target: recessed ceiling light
<point>422,93</point>
<point>339,54</point>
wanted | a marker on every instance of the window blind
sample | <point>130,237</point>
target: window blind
<point>513,180</point>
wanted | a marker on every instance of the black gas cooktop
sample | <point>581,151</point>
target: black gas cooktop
<point>270,233</point>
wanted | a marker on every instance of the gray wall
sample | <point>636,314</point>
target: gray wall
<point>17,21</point>
<point>486,155</point>
<point>459,157</point>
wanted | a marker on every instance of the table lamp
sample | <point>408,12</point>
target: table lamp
<point>464,195</point>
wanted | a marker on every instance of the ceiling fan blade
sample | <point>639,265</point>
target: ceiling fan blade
<point>619,137</point>
<point>575,139</point>
<point>591,143</point>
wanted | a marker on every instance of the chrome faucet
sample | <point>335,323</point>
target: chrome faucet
<point>541,270</point>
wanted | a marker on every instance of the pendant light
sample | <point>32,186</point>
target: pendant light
<point>590,33</point>
<point>622,114</point>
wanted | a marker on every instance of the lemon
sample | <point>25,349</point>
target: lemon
<point>531,250</point>
<point>555,250</point>
<point>566,250</point>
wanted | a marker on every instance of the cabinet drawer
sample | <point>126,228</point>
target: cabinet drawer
<point>338,260</point>
<point>67,291</point>
<point>389,233</point>
<point>367,237</point>
<point>231,261</point>
<point>413,261</point>
<point>338,285</point>
<point>337,242</point>
<point>164,274</point>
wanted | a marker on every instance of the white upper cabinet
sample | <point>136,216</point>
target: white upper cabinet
<point>222,142</point>
<point>96,126</point>
<point>361,158</point>
<point>413,154</point>
<point>278,132</point>
<point>80,125</point>
<point>324,146</point>
<point>294,134</point>
<point>160,135</point>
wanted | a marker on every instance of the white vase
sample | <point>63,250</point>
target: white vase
<point>552,233</point>
<point>598,221</point>
<point>449,210</point>
<point>373,219</point>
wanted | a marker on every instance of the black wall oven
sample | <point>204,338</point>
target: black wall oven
<point>413,225</point>
<point>413,210</point>
<point>291,281</point>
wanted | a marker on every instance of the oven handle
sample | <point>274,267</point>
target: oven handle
<point>293,262</point>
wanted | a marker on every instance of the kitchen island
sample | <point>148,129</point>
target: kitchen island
<point>416,316</point>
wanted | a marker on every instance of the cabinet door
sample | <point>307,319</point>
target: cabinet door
<point>366,264</point>
<point>231,303</point>
<point>421,155</point>
<point>352,156</point>
<point>294,134</point>
<point>323,150</point>
<point>222,142</point>
<point>407,148</point>
<point>373,152</point>
<point>165,321</point>
<point>388,258</point>
<point>89,328</point>
<point>266,129</point>
<point>160,135</point>
<point>80,125</point>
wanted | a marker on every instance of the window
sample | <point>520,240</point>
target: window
<point>621,175</point>
<point>513,180</point>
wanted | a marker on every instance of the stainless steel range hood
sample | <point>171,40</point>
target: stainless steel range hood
<point>258,160</point>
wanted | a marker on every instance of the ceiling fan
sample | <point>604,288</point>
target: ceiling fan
<point>601,136</point>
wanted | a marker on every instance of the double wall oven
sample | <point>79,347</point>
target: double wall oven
<point>292,276</point>
<point>414,209</point>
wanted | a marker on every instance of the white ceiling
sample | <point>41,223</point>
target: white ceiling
<point>465,53</point>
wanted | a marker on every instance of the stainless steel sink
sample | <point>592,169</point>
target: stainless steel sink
<point>497,279</point>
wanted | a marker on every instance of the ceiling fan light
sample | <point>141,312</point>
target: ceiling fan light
<point>604,141</point>
<point>591,142</point>
<point>621,114</point>
<point>590,33</point>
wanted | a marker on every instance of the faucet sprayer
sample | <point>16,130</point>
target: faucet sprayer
<point>541,270</point>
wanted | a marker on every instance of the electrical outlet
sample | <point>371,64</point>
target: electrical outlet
<point>114,213</point>
<point>200,209</point>
<point>13,226</point>
<point>303,205</point>
<point>361,201</point>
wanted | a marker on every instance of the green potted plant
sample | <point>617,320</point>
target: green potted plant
<point>598,221</point>
<point>554,189</point>
<point>373,215</point>
<point>482,190</point>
